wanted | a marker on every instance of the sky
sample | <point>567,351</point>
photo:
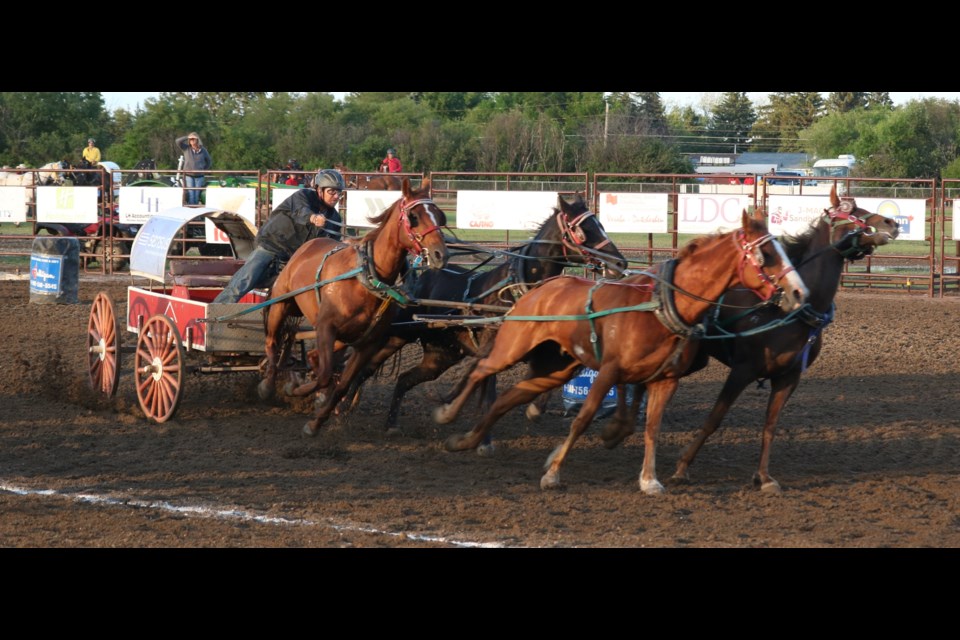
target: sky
<point>131,101</point>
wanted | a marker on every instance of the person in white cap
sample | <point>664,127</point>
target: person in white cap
<point>196,160</point>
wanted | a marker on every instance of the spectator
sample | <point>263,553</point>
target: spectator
<point>196,159</point>
<point>292,181</point>
<point>307,214</point>
<point>91,153</point>
<point>391,164</point>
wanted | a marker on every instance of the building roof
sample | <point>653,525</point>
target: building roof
<point>781,160</point>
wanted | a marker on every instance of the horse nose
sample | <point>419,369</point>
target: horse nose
<point>437,257</point>
<point>616,269</point>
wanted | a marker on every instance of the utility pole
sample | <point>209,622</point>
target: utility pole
<point>606,120</point>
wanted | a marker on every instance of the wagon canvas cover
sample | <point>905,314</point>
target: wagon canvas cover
<point>148,257</point>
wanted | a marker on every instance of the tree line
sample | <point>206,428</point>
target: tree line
<point>485,132</point>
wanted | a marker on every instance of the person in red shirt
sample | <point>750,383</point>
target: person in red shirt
<point>391,164</point>
<point>292,180</point>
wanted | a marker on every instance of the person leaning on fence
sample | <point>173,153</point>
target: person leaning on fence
<point>196,159</point>
<point>90,152</point>
<point>309,213</point>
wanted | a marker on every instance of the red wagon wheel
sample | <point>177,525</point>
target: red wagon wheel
<point>159,367</point>
<point>103,345</point>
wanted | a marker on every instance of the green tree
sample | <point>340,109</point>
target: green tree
<point>41,127</point>
<point>732,122</point>
<point>780,122</point>
<point>845,101</point>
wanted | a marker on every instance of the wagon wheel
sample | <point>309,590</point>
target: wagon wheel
<point>159,367</point>
<point>103,345</point>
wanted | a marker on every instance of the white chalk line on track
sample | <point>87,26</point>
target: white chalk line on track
<point>235,514</point>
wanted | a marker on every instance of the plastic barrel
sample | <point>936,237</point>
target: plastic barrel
<point>575,392</point>
<point>55,270</point>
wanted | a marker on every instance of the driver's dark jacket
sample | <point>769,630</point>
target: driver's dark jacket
<point>289,224</point>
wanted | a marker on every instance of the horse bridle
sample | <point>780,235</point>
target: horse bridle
<point>750,252</point>
<point>842,215</point>
<point>415,237</point>
<point>572,236</point>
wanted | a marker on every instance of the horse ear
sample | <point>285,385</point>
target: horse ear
<point>834,198</point>
<point>405,187</point>
<point>425,184</point>
<point>562,204</point>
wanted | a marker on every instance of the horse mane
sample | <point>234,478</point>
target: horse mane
<point>379,220</point>
<point>694,244</point>
<point>796,245</point>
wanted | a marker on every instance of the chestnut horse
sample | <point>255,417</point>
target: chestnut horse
<point>570,322</point>
<point>346,293</point>
<point>572,235</point>
<point>767,344</point>
<point>369,181</point>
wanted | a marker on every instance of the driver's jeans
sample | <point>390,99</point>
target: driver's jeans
<point>193,195</point>
<point>259,268</point>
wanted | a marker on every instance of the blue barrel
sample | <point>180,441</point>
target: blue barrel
<point>55,270</point>
<point>575,391</point>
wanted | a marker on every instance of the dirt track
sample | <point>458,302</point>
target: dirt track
<point>867,454</point>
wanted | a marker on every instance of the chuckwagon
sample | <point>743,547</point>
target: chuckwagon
<point>178,328</point>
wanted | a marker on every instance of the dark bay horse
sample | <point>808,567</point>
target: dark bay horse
<point>572,235</point>
<point>641,329</point>
<point>781,354</point>
<point>345,291</point>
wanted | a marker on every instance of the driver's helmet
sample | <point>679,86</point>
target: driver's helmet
<point>329,179</point>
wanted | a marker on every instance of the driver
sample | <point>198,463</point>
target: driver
<point>309,213</point>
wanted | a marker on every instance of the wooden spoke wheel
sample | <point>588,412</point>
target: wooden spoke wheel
<point>160,368</point>
<point>103,345</point>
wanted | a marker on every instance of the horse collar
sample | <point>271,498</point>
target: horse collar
<point>666,311</point>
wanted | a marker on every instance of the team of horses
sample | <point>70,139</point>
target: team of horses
<point>756,303</point>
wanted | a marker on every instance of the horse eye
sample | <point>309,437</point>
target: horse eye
<point>413,219</point>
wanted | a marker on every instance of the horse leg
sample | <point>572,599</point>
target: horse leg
<point>321,360</point>
<point>781,390</point>
<point>737,380</point>
<point>522,392</point>
<point>274,325</point>
<point>598,391</point>
<point>659,394</point>
<point>352,396</point>
<point>354,365</point>
<point>434,362</point>
<point>624,420</point>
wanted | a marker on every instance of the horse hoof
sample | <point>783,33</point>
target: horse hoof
<point>440,415</point>
<point>394,432</point>
<point>265,390</point>
<point>533,413</point>
<point>454,443</point>
<point>770,487</point>
<point>309,430</point>
<point>550,481</point>
<point>680,478</point>
<point>651,487</point>
<point>486,450</point>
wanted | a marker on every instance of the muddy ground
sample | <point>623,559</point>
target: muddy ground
<point>867,453</point>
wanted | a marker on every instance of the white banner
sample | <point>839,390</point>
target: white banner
<point>634,212</point>
<point>67,204</point>
<point>239,200</point>
<point>792,215</point>
<point>504,210</point>
<point>279,195</point>
<point>701,214</point>
<point>910,214</point>
<point>13,204</point>
<point>137,204</point>
<point>363,204</point>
